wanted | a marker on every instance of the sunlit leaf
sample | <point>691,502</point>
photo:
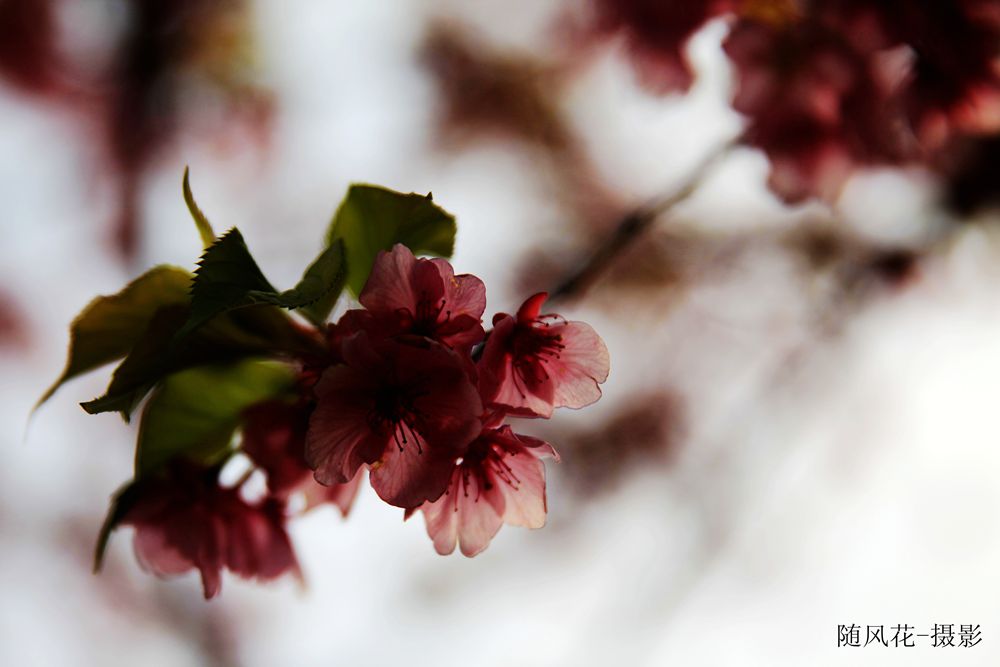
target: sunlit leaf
<point>372,218</point>
<point>194,413</point>
<point>110,326</point>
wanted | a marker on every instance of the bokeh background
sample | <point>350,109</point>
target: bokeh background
<point>799,430</point>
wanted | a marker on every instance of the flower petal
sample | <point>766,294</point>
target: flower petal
<point>500,383</point>
<point>257,545</point>
<point>415,473</point>
<point>441,517</point>
<point>463,515</point>
<point>274,438</point>
<point>390,284</point>
<point>525,497</point>
<point>340,438</point>
<point>478,520</point>
<point>341,495</point>
<point>582,364</point>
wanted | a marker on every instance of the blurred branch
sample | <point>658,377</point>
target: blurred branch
<point>634,224</point>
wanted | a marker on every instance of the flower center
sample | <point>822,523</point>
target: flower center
<point>425,320</point>
<point>484,461</point>
<point>535,345</point>
<point>394,412</point>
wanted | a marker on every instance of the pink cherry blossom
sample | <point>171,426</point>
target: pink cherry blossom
<point>501,479</point>
<point>424,297</point>
<point>406,408</point>
<point>185,520</point>
<point>533,363</point>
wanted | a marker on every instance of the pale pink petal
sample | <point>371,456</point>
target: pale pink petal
<point>532,401</point>
<point>582,364</point>
<point>441,518</point>
<point>464,515</point>
<point>499,382</point>
<point>478,520</point>
<point>525,496</point>
<point>537,447</point>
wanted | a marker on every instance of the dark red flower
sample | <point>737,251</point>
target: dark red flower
<point>185,520</point>
<point>657,32</point>
<point>274,437</point>
<point>534,363</point>
<point>954,82</point>
<point>29,57</point>
<point>424,297</point>
<point>501,479</point>
<point>350,323</point>
<point>816,104</point>
<point>407,409</point>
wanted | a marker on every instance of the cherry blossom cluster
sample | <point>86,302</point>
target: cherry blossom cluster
<point>831,85</point>
<point>412,391</point>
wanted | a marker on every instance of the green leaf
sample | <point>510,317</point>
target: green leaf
<point>123,501</point>
<point>250,332</point>
<point>321,284</point>
<point>372,218</point>
<point>228,278</point>
<point>110,325</point>
<point>194,413</point>
<point>200,221</point>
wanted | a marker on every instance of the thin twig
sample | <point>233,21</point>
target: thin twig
<point>634,224</point>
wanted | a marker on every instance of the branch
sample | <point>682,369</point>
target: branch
<point>633,225</point>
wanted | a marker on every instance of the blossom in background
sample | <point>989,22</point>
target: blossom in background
<point>533,363</point>
<point>657,33</point>
<point>29,57</point>
<point>953,83</point>
<point>831,86</point>
<point>817,106</point>
<point>184,520</point>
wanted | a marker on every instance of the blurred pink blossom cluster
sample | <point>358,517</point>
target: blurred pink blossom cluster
<point>828,86</point>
